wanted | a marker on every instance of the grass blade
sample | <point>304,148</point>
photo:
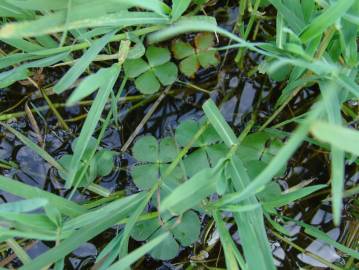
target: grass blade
<point>41,152</point>
<point>75,71</point>
<point>126,262</point>
<point>221,126</point>
<point>326,19</point>
<point>343,138</point>
<point>22,190</point>
<point>76,239</point>
<point>178,7</point>
<point>92,119</point>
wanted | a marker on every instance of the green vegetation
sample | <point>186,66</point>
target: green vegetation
<point>205,176</point>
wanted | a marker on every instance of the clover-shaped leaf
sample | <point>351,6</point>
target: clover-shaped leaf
<point>185,233</point>
<point>192,58</point>
<point>209,144</point>
<point>253,151</point>
<point>154,158</point>
<point>101,164</point>
<point>151,74</point>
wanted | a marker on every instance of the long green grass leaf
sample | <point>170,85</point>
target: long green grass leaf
<point>343,138</point>
<point>326,19</point>
<point>126,261</point>
<point>22,190</point>
<point>75,71</point>
<point>91,122</point>
<point>220,125</point>
<point>75,240</point>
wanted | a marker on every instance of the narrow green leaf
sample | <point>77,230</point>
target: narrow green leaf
<point>216,119</point>
<point>193,191</point>
<point>76,240</point>
<point>343,138</point>
<point>126,261</point>
<point>23,206</point>
<point>80,66</point>
<point>178,8</point>
<point>37,149</point>
<point>326,19</point>
<point>55,22</point>
<point>91,122</point>
<point>17,188</point>
<point>231,252</point>
<point>287,198</point>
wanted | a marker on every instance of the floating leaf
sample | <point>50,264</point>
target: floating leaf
<point>186,231</point>
<point>154,158</point>
<point>192,58</point>
<point>151,74</point>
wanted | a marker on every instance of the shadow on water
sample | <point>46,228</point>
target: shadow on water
<point>239,94</point>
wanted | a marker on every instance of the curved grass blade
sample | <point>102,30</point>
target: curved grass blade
<point>326,19</point>
<point>220,125</point>
<point>41,152</point>
<point>77,239</point>
<point>55,22</point>
<point>332,102</point>
<point>75,71</point>
<point>22,190</point>
<point>126,262</point>
<point>91,122</point>
<point>343,138</point>
<point>178,8</point>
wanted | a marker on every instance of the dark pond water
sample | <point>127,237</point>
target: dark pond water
<point>239,94</point>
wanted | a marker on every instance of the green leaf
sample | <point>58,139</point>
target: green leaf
<point>193,191</point>
<point>145,175</point>
<point>103,212</point>
<point>146,149</point>
<point>87,86</point>
<point>135,67</point>
<point>157,56</point>
<point>189,66</point>
<point>126,261</point>
<point>23,205</point>
<point>326,19</point>
<point>90,124</point>
<point>188,230</point>
<point>19,189</point>
<point>343,138</point>
<point>218,122</point>
<point>178,8</point>
<point>181,49</point>
<point>104,162</point>
<point>166,73</point>
<point>80,18</point>
<point>9,77</point>
<point>167,150</point>
<point>144,229</point>
<point>168,249</point>
<point>204,41</point>
<point>80,66</point>
<point>231,253</point>
<point>296,23</point>
<point>147,83</point>
<point>208,58</point>
<point>186,130</point>
<point>286,198</point>
<point>333,108</point>
<point>81,236</point>
<point>40,151</point>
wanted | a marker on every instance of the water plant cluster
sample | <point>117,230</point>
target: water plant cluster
<point>205,176</point>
